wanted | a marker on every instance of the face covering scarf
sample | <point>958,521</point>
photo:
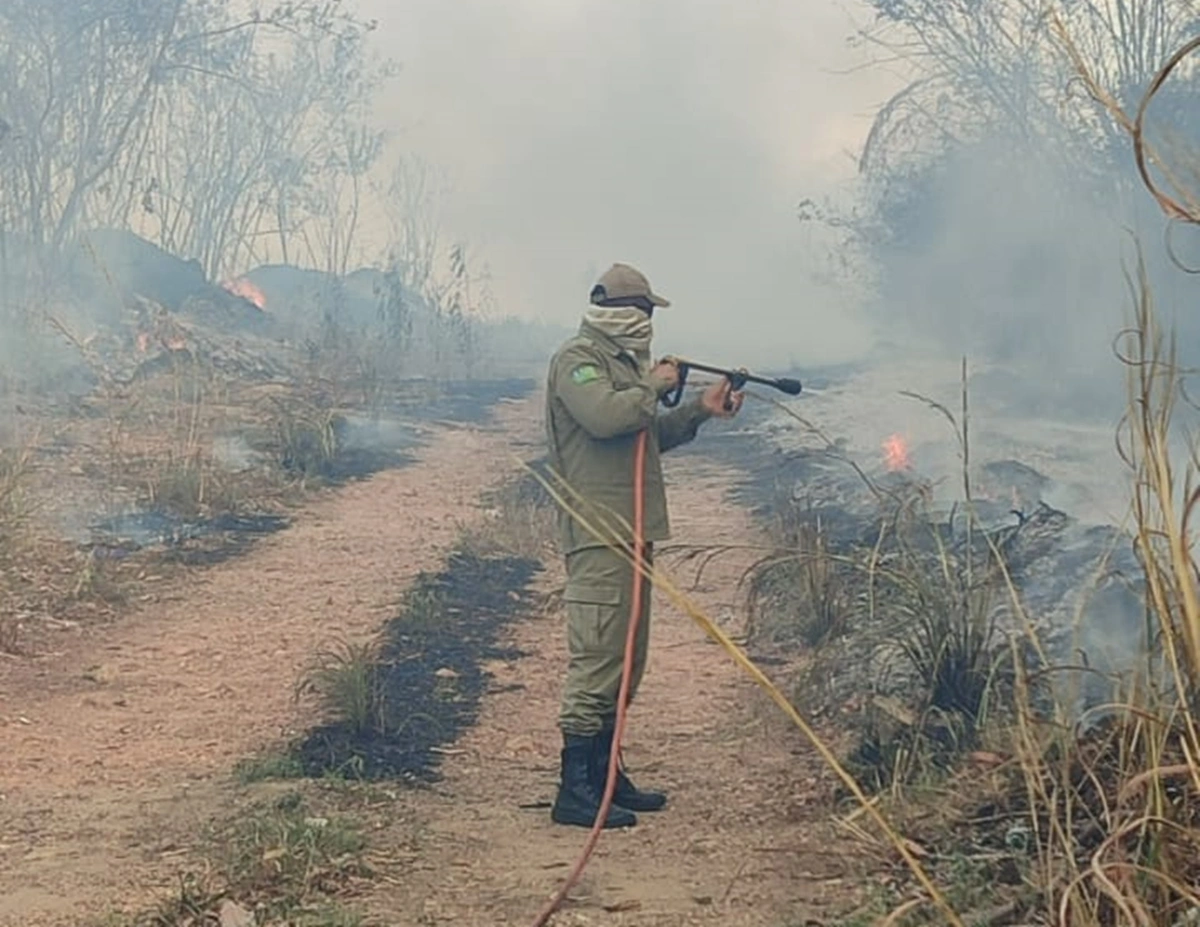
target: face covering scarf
<point>628,326</point>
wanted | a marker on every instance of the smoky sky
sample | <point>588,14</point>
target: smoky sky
<point>676,135</point>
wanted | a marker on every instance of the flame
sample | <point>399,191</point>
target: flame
<point>895,454</point>
<point>247,290</point>
<point>143,342</point>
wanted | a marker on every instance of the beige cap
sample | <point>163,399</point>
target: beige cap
<point>622,281</point>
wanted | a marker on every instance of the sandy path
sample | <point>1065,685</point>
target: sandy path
<point>102,778</point>
<point>744,841</point>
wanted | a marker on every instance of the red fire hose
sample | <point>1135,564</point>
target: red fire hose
<point>639,484</point>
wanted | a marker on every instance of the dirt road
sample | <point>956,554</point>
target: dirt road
<point>118,750</point>
<point>744,840</point>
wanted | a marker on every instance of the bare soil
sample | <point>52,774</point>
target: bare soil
<point>746,838</point>
<point>117,749</point>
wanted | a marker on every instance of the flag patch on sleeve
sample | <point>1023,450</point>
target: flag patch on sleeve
<point>585,373</point>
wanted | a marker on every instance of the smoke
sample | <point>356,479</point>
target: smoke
<point>1007,258</point>
<point>677,136</point>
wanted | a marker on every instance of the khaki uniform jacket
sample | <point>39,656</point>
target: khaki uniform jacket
<point>597,400</point>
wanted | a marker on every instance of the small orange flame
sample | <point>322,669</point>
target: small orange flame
<point>247,290</point>
<point>143,342</point>
<point>895,454</point>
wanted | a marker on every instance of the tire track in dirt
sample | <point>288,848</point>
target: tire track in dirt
<point>745,841</point>
<point>103,779</point>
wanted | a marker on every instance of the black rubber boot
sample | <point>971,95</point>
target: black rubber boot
<point>626,794</point>
<point>578,801</point>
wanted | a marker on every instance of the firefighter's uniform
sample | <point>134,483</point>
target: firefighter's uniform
<point>600,394</point>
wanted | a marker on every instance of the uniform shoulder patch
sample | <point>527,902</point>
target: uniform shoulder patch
<point>585,373</point>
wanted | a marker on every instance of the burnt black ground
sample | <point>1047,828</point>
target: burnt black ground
<point>190,541</point>
<point>429,671</point>
<point>766,471</point>
<point>367,448</point>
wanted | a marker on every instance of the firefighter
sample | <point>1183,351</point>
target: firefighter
<point>602,389</point>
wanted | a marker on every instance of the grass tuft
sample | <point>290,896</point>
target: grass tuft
<point>519,521</point>
<point>802,592</point>
<point>308,432</point>
<point>346,681</point>
<point>15,508</point>
<point>279,863</point>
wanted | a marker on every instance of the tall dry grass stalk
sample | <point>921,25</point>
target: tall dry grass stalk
<point>1116,808</point>
<point>184,477</point>
<point>15,465</point>
<point>1110,799</point>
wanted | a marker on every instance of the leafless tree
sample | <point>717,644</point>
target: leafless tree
<point>983,65</point>
<point>78,85</point>
<point>412,201</point>
<point>206,132</point>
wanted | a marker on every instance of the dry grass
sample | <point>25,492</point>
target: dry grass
<point>306,435</point>
<point>345,680</point>
<point>520,521</point>
<point>15,466</point>
<point>1115,811</point>
<point>279,862</point>
<point>917,605</point>
<point>1095,821</point>
<point>801,591</point>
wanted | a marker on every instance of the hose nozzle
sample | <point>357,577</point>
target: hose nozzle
<point>737,379</point>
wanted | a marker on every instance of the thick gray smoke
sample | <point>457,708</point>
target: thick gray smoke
<point>1018,264</point>
<point>677,136</point>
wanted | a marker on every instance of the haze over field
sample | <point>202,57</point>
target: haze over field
<point>678,136</point>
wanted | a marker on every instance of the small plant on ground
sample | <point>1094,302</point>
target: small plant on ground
<point>268,766</point>
<point>347,683</point>
<point>15,466</point>
<point>97,579</point>
<point>278,862</point>
<point>940,616</point>
<point>308,433</point>
<point>283,857</point>
<point>183,478</point>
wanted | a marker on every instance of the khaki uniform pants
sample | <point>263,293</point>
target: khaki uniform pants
<point>598,600</point>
